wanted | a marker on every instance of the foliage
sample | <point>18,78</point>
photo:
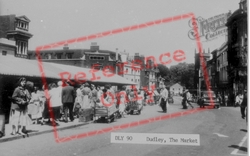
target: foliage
<point>182,73</point>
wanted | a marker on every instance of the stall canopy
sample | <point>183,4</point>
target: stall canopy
<point>10,65</point>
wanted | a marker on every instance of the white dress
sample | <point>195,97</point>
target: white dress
<point>122,104</point>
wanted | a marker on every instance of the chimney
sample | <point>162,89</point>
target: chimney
<point>116,54</point>
<point>137,56</point>
<point>94,46</point>
<point>66,47</point>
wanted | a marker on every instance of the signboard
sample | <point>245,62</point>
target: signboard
<point>208,29</point>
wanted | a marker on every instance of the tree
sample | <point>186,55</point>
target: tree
<point>164,72</point>
<point>182,73</point>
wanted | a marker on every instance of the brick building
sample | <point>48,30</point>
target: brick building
<point>87,58</point>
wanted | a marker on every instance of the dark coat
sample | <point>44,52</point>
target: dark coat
<point>244,101</point>
<point>68,94</point>
<point>20,98</point>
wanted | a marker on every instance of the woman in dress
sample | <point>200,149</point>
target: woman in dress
<point>78,100</point>
<point>55,102</point>
<point>94,94</point>
<point>122,101</point>
<point>18,114</point>
<point>34,107</point>
<point>86,91</point>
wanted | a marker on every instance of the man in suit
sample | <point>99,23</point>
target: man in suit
<point>68,99</point>
<point>164,99</point>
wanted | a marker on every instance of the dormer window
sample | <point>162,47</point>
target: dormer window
<point>22,25</point>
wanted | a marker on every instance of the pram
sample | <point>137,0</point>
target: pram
<point>108,114</point>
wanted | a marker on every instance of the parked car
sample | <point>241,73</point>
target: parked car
<point>209,98</point>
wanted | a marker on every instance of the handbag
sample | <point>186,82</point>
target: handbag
<point>18,101</point>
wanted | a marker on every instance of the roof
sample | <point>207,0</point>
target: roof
<point>7,42</point>
<point>11,65</point>
<point>176,85</point>
<point>23,17</point>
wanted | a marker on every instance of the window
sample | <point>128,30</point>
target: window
<point>98,66</point>
<point>22,47</point>
<point>97,58</point>
<point>4,52</point>
<point>48,56</point>
<point>234,32</point>
<point>69,55</point>
<point>59,56</point>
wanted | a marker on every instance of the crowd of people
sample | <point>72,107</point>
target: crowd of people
<point>62,102</point>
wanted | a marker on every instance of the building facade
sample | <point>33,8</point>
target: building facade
<point>177,89</point>
<point>221,69</point>
<point>199,79</point>
<point>87,58</point>
<point>237,48</point>
<point>16,28</point>
<point>132,73</point>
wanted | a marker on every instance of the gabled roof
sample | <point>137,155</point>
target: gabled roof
<point>23,17</point>
<point>176,85</point>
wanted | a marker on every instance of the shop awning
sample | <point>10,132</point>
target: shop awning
<point>91,76</point>
<point>10,65</point>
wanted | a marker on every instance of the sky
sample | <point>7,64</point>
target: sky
<point>59,20</point>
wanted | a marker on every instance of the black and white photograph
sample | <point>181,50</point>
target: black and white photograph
<point>124,78</point>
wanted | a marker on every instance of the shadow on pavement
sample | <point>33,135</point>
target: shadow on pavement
<point>239,148</point>
<point>243,130</point>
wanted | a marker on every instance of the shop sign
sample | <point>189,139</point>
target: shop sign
<point>208,29</point>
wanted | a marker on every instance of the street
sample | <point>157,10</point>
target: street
<point>222,132</point>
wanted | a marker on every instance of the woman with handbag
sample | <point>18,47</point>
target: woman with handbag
<point>19,118</point>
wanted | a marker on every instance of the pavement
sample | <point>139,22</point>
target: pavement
<point>37,129</point>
